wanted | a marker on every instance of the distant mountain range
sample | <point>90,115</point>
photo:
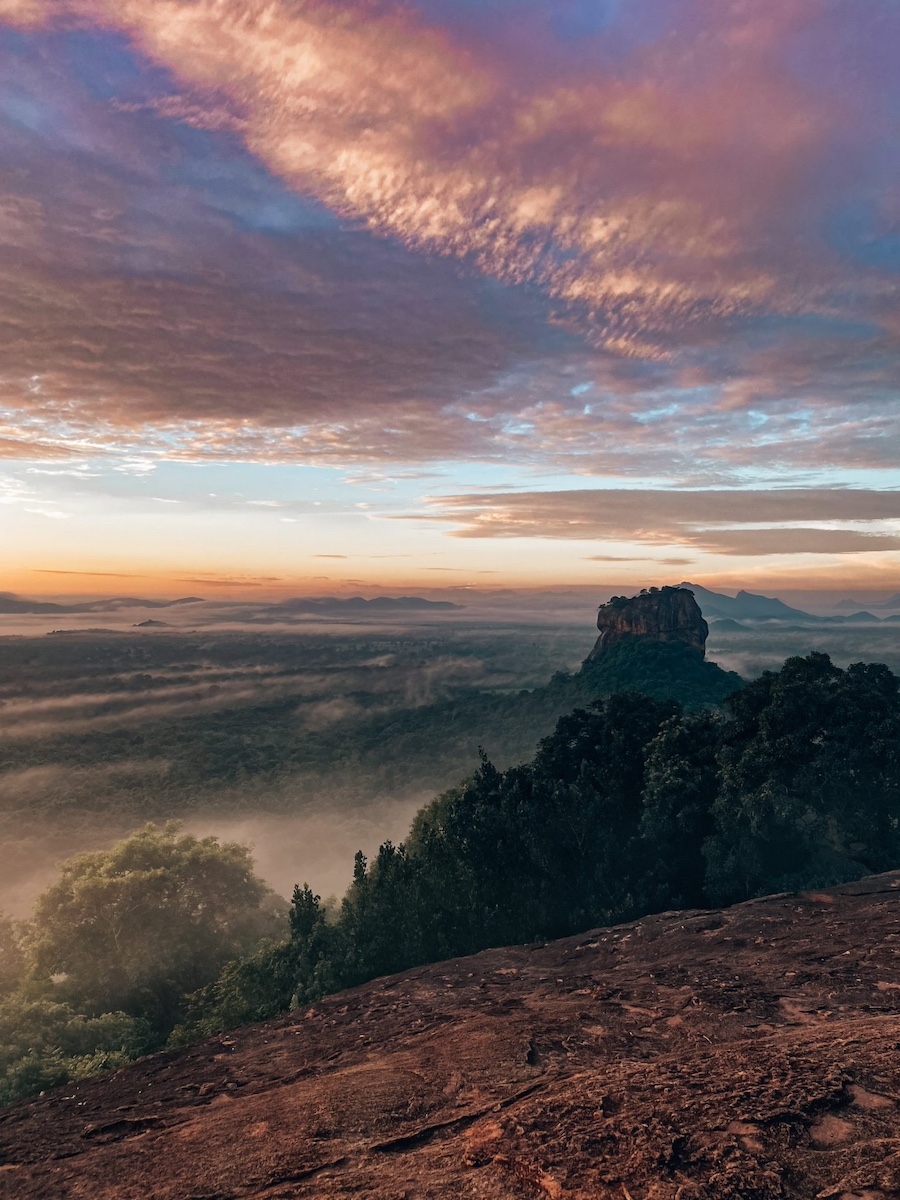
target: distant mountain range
<point>12,605</point>
<point>15,605</point>
<point>892,603</point>
<point>747,606</point>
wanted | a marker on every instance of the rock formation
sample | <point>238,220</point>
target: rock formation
<point>746,1054</point>
<point>667,614</point>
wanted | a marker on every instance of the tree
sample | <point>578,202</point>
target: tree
<point>277,976</point>
<point>809,780</point>
<point>137,927</point>
<point>12,957</point>
<point>681,786</point>
<point>44,1044</point>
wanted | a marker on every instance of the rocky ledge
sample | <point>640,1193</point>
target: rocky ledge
<point>666,614</point>
<point>746,1054</point>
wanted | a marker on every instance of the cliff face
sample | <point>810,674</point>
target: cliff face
<point>747,1054</point>
<point>661,615</point>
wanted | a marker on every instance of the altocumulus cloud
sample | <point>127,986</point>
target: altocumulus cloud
<point>296,229</point>
<point>640,192</point>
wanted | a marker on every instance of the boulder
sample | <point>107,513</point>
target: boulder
<point>667,614</point>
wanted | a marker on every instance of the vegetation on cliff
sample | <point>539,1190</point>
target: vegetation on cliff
<point>636,803</point>
<point>632,806</point>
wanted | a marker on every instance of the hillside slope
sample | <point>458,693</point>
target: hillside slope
<point>749,1053</point>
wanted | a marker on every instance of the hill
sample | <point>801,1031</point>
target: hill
<point>892,602</point>
<point>745,606</point>
<point>663,615</point>
<point>727,625</point>
<point>741,1054</point>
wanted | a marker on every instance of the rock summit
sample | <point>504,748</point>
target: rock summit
<point>666,614</point>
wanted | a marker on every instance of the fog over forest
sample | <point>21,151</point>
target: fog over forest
<point>308,737</point>
<point>282,737</point>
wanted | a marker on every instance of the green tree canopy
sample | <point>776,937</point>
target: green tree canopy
<point>44,1044</point>
<point>12,957</point>
<point>137,927</point>
<point>809,780</point>
<point>633,805</point>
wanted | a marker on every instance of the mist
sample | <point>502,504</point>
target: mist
<point>316,847</point>
<point>294,742</point>
<point>307,743</point>
<point>754,650</point>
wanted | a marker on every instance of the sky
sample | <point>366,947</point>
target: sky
<point>308,296</point>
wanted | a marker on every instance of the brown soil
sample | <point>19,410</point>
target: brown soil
<point>752,1053</point>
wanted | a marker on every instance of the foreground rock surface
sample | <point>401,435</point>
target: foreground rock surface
<point>752,1053</point>
<point>665,614</point>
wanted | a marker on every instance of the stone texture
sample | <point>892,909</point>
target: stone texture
<point>742,1054</point>
<point>665,614</point>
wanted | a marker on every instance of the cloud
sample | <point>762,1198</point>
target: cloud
<point>783,540</point>
<point>23,12</point>
<point>776,521</point>
<point>30,449</point>
<point>643,194</point>
<point>388,233</point>
<point>90,574</point>
<point>631,558</point>
<point>166,296</point>
<point>242,581</point>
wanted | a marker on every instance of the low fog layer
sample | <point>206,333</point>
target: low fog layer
<point>317,847</point>
<point>308,742</point>
<point>464,608</point>
<point>753,650</point>
<point>288,740</point>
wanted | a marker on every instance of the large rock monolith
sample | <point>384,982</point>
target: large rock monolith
<point>667,614</point>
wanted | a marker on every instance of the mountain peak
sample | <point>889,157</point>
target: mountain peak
<point>666,614</point>
<point>745,605</point>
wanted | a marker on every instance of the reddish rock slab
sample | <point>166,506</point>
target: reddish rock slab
<point>745,1054</point>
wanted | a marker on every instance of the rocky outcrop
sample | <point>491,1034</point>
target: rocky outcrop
<point>667,614</point>
<point>746,1054</point>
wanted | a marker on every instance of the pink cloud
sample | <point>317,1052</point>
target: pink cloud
<point>655,199</point>
<point>648,198</point>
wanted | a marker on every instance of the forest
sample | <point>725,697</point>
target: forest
<point>100,733</point>
<point>637,802</point>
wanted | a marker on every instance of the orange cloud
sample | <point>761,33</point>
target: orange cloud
<point>32,448</point>
<point>24,12</point>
